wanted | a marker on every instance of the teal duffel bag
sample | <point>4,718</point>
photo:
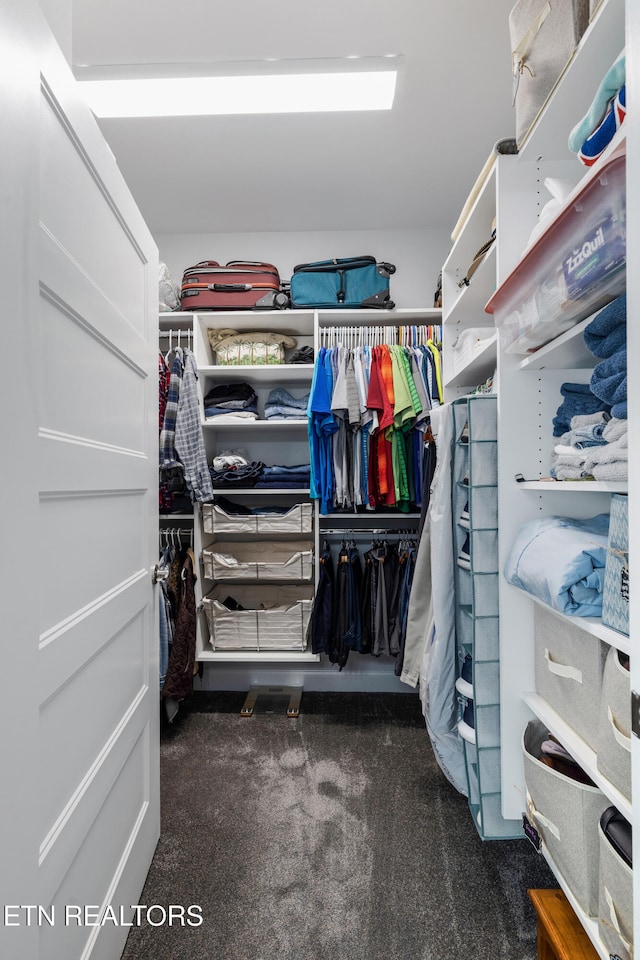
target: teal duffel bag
<point>350,282</point>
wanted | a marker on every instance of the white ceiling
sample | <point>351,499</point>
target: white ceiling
<point>411,167</point>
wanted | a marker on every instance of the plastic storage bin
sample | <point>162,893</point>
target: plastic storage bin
<point>614,732</point>
<point>259,560</point>
<point>573,269</point>
<point>273,618</point>
<point>615,597</point>
<point>569,666</point>
<point>297,519</point>
<point>565,813</point>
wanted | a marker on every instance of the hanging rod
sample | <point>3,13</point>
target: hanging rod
<point>380,531</point>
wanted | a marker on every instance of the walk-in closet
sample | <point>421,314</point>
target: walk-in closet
<point>319,629</point>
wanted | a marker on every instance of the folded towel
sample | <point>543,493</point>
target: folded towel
<point>607,332</point>
<point>578,400</point>
<point>564,472</point>
<point>612,81</point>
<point>586,436</point>
<point>609,378</point>
<point>616,470</point>
<point>610,453</point>
<point>595,145</point>
<point>569,453</point>
<point>589,418</point>
<point>620,410</point>
<point>616,428</point>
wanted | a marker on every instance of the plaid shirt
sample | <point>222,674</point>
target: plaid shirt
<point>189,443</point>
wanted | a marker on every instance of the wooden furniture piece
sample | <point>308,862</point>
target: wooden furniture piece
<point>561,936</point>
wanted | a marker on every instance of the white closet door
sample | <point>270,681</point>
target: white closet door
<point>79,804</point>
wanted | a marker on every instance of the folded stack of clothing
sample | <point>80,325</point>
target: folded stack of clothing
<point>232,402</point>
<point>595,131</point>
<point>281,405</point>
<point>595,448</point>
<point>234,469</point>
<point>611,460</point>
<point>561,561</point>
<point>570,454</point>
<point>301,355</point>
<point>579,401</point>
<point>285,478</point>
<point>606,338</point>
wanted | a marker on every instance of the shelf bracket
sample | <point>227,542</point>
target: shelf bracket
<point>271,699</point>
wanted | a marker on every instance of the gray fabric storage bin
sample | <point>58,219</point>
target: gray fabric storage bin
<point>298,519</point>
<point>614,734</point>
<point>274,617</point>
<point>566,814</point>
<point>569,665</point>
<point>615,905</point>
<point>259,560</point>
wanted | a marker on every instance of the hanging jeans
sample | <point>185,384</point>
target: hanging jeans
<point>323,607</point>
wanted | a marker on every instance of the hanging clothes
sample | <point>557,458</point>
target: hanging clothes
<point>368,410</point>
<point>178,682</point>
<point>363,608</point>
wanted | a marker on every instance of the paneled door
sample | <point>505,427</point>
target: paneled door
<point>79,796</point>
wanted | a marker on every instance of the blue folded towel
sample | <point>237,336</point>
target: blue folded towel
<point>609,379</point>
<point>607,332</point>
<point>578,399</point>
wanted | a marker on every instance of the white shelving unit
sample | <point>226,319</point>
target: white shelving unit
<point>277,441</point>
<point>270,442</point>
<point>529,395</point>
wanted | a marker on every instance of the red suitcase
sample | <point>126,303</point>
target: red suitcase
<point>238,285</point>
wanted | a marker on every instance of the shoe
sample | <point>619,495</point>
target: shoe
<point>595,145</point>
<point>468,716</point>
<point>464,520</point>
<point>465,680</point>
<point>467,669</point>
<point>464,436</point>
<point>464,557</point>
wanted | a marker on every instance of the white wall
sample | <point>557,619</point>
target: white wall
<point>417,254</point>
<point>59,15</point>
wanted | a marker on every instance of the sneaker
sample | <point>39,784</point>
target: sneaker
<point>464,436</point>
<point>464,557</point>
<point>464,520</point>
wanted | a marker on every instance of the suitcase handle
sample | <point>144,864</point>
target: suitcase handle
<point>229,287</point>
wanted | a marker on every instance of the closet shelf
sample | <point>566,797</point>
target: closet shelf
<point>468,307</point>
<point>481,365</point>
<point>257,656</point>
<point>599,47</point>
<point>592,625</point>
<point>256,425</point>
<point>269,372</point>
<point>576,486</point>
<point>566,352</point>
<point>578,749</point>
<point>259,492</point>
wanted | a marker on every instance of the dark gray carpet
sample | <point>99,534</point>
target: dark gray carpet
<point>331,837</point>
